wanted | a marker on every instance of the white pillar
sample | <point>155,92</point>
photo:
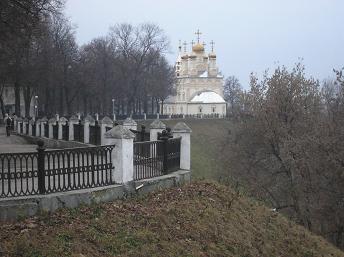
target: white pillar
<point>106,122</point>
<point>130,124</point>
<point>50,131</point>
<point>38,125</point>
<point>157,116</point>
<point>59,130</point>
<point>18,126</point>
<point>86,132</point>
<point>24,127</point>
<point>114,117</point>
<point>122,154</point>
<point>42,128</point>
<point>183,131</point>
<point>157,126</point>
<point>73,120</point>
<point>145,116</point>
<point>30,128</point>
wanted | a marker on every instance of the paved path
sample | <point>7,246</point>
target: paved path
<point>13,143</point>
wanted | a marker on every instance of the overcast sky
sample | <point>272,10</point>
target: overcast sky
<point>250,35</point>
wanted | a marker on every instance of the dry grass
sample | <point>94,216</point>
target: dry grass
<point>207,139</point>
<point>200,219</point>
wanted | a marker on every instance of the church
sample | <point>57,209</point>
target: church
<point>199,85</point>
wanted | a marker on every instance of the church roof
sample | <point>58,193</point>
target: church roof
<point>207,97</point>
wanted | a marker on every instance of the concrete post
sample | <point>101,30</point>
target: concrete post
<point>106,122</point>
<point>38,125</point>
<point>87,122</point>
<point>51,122</point>
<point>86,131</point>
<point>183,131</point>
<point>97,117</point>
<point>157,116</point>
<point>19,121</point>
<point>73,120</point>
<point>31,122</point>
<point>44,121</point>
<point>15,118</point>
<point>114,117</point>
<point>122,154</point>
<point>129,123</point>
<point>145,116</point>
<point>24,126</point>
<point>62,121</point>
<point>157,126</point>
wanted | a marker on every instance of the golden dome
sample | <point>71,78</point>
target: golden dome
<point>198,48</point>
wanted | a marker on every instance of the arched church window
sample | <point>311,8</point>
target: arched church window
<point>183,96</point>
<point>200,109</point>
<point>213,109</point>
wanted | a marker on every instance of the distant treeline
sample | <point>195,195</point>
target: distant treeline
<point>126,69</point>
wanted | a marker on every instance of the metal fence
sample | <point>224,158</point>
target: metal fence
<point>95,135</point>
<point>55,131</point>
<point>65,132</point>
<point>43,172</point>
<point>155,158</point>
<point>79,132</point>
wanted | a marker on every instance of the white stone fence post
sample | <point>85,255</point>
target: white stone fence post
<point>19,122</point>
<point>61,122</point>
<point>88,121</point>
<point>52,122</point>
<point>105,123</point>
<point>72,121</point>
<point>183,131</point>
<point>25,124</point>
<point>44,121</point>
<point>122,154</point>
<point>31,123</point>
<point>129,123</point>
<point>157,126</point>
<point>38,128</point>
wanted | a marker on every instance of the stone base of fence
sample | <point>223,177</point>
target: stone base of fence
<point>19,207</point>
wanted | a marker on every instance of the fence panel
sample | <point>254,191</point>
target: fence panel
<point>65,132</point>
<point>155,158</point>
<point>173,154</point>
<point>148,159</point>
<point>46,130</point>
<point>24,174</point>
<point>55,131</point>
<point>78,168</point>
<point>95,134</point>
<point>79,132</point>
<point>18,175</point>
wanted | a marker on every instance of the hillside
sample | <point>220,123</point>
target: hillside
<point>200,219</point>
<point>207,139</point>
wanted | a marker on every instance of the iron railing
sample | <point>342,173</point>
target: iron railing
<point>148,159</point>
<point>95,135</point>
<point>65,132</point>
<point>55,131</point>
<point>43,172</point>
<point>79,132</point>
<point>155,158</point>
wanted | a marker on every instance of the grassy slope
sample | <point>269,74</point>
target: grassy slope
<point>200,219</point>
<point>206,144</point>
